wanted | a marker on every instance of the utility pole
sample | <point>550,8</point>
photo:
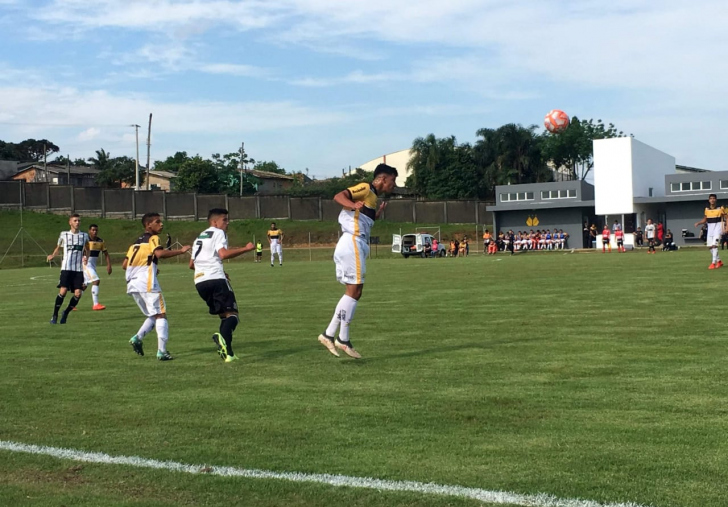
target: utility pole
<point>45,162</point>
<point>136,130</point>
<point>149,146</point>
<point>242,155</point>
<point>68,169</point>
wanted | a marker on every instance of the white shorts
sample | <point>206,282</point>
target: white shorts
<point>150,303</point>
<point>350,257</point>
<point>89,274</point>
<point>275,248</point>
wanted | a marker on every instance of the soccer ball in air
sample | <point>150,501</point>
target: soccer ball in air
<point>556,121</point>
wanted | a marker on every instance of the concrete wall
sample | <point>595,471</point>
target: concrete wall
<point>649,169</point>
<point>613,176</point>
<point>683,215</point>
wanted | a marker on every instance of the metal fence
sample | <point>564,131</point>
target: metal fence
<point>127,203</point>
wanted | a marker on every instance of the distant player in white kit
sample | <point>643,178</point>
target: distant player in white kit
<point>74,244</point>
<point>714,218</point>
<point>356,219</point>
<point>96,246</point>
<point>211,281</point>
<point>275,239</point>
<point>650,231</point>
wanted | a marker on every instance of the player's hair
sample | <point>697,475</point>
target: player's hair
<point>712,195</point>
<point>75,215</point>
<point>385,169</point>
<point>147,218</point>
<point>92,226</point>
<point>216,212</point>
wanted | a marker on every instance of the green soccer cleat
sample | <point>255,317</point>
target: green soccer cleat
<point>221,345</point>
<point>137,345</point>
<point>230,359</point>
<point>164,356</point>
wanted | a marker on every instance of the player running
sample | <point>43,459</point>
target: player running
<point>275,239</point>
<point>96,246</point>
<point>356,218</point>
<point>211,281</point>
<point>142,284</point>
<point>74,243</point>
<point>714,218</point>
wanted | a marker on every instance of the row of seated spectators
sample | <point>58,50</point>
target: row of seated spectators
<point>522,240</point>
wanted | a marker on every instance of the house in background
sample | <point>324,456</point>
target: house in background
<point>271,183</point>
<point>160,180</point>
<point>76,175</point>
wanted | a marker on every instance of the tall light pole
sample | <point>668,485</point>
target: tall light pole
<point>136,130</point>
<point>242,155</point>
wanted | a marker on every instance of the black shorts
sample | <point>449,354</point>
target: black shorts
<point>605,241</point>
<point>218,295</point>
<point>71,280</point>
<point>259,254</point>
<point>620,242</point>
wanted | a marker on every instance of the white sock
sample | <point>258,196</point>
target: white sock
<point>348,307</point>
<point>162,333</point>
<point>146,327</point>
<point>95,293</point>
<point>715,254</point>
<point>280,257</point>
<point>272,256</point>
<point>344,305</point>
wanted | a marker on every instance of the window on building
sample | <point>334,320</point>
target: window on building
<point>723,184</point>
<point>695,186</point>
<point>519,196</point>
<point>559,194</point>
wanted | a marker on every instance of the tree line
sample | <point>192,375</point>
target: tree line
<point>440,168</point>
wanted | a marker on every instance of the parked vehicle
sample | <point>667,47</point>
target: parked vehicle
<point>416,244</point>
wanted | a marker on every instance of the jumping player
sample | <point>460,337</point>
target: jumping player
<point>142,284</point>
<point>96,246</point>
<point>275,239</point>
<point>356,218</point>
<point>75,244</point>
<point>714,218</point>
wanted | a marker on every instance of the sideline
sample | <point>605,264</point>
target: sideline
<point>497,497</point>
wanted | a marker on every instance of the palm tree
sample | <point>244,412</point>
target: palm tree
<point>102,160</point>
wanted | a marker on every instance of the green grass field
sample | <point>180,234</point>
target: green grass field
<point>588,376</point>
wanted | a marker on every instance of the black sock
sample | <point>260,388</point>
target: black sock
<point>227,326</point>
<point>59,303</point>
<point>71,304</point>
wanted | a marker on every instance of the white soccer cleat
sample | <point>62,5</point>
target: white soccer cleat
<point>328,343</point>
<point>348,348</point>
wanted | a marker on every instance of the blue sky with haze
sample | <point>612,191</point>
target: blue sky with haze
<point>324,84</point>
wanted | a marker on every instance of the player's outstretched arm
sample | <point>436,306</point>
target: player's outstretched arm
<point>230,253</point>
<point>192,262</point>
<point>381,209</point>
<point>704,220</point>
<point>161,253</point>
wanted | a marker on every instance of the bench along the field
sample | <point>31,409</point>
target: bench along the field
<point>691,239</point>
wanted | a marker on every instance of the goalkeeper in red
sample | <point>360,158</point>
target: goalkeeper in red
<point>356,218</point>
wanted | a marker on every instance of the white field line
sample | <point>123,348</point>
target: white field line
<point>497,497</point>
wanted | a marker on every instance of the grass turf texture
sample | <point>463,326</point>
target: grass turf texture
<point>579,375</point>
<point>119,234</point>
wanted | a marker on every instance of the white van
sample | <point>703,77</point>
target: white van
<point>416,244</point>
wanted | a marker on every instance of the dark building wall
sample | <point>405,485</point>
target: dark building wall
<point>683,215</point>
<point>571,220</point>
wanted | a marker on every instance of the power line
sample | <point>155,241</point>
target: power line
<point>21,124</point>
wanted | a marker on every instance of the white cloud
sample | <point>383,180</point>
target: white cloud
<point>89,134</point>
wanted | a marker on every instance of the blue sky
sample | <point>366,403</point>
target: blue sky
<point>325,84</point>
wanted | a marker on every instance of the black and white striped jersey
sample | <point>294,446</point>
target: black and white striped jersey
<point>72,250</point>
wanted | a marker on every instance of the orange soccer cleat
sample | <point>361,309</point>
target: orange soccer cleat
<point>99,307</point>
<point>719,264</point>
<point>712,266</point>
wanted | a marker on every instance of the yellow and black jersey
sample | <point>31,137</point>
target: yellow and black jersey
<point>275,235</point>
<point>141,269</point>
<point>714,215</point>
<point>95,248</point>
<point>359,222</point>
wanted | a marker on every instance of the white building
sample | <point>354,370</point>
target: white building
<point>398,160</point>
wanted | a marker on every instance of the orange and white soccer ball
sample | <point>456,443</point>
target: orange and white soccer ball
<point>556,121</point>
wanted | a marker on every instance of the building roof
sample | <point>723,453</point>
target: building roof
<point>688,169</point>
<point>62,169</point>
<point>268,175</point>
<point>163,174</point>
